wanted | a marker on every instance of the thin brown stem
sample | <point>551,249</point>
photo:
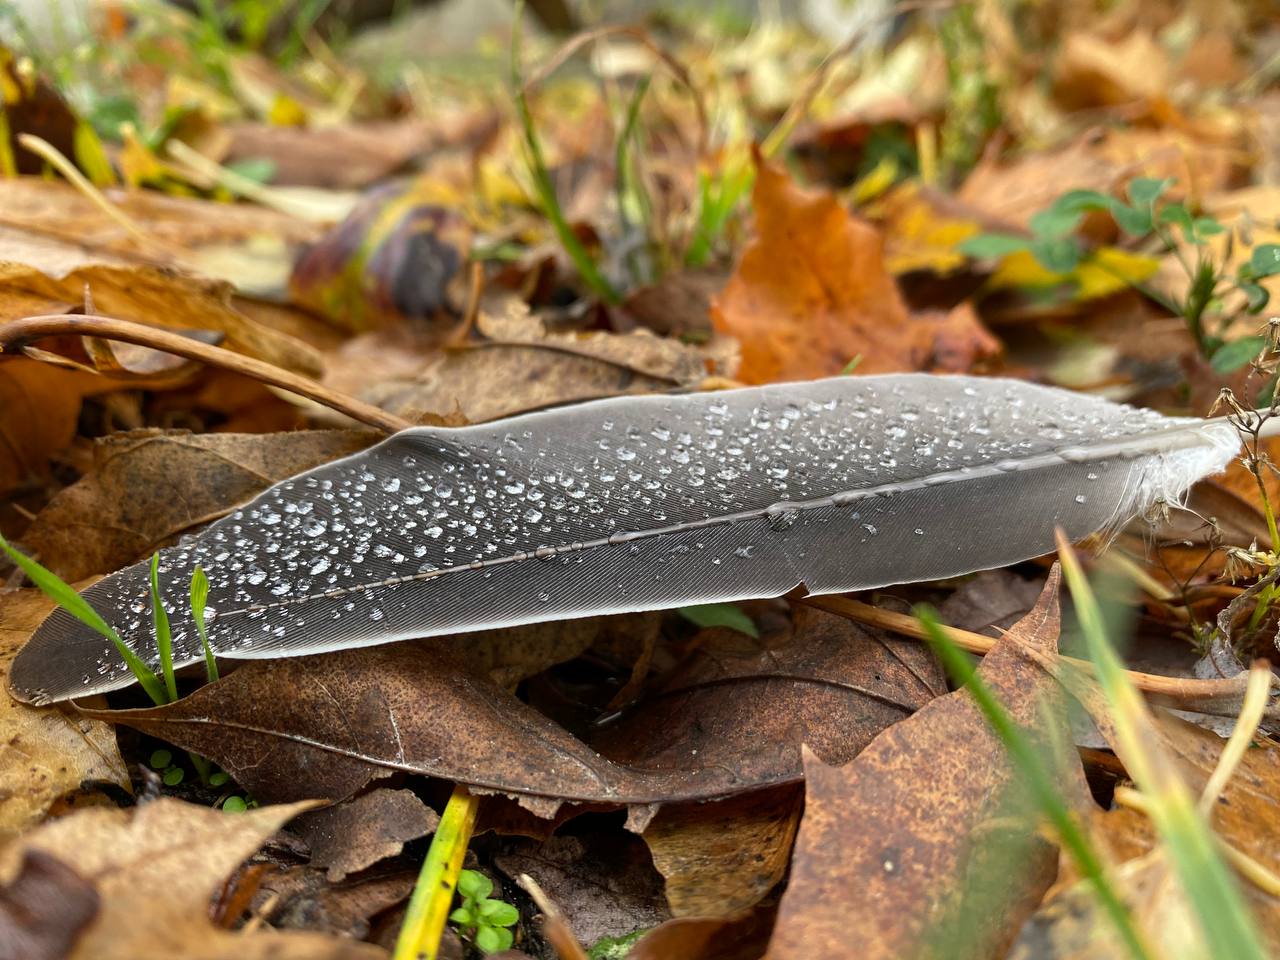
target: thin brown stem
<point>18,333</point>
<point>1191,693</point>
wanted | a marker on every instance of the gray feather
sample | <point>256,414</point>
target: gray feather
<point>638,503</point>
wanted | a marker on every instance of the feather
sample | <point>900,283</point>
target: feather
<point>640,503</point>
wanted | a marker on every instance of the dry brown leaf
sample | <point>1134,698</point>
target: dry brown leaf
<point>155,869</point>
<point>148,487</point>
<point>924,844</point>
<point>1011,191</point>
<point>350,836</point>
<point>520,366</point>
<point>720,858</point>
<point>39,405</point>
<point>1247,816</point>
<point>344,157</point>
<point>45,752</point>
<point>1093,71</point>
<point>811,292</point>
<point>602,882</point>
<point>730,722</point>
<point>54,244</point>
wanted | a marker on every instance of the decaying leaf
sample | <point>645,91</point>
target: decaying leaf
<point>521,366</point>
<point>730,724</point>
<point>149,487</point>
<point>721,858</point>
<point>811,293</point>
<point>602,883</point>
<point>1246,816</point>
<point>390,263</point>
<point>163,861</point>
<point>925,841</point>
<point>45,752</point>
<point>358,833</point>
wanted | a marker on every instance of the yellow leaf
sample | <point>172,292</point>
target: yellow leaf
<point>286,112</point>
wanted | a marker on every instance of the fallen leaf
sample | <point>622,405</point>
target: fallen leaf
<point>1094,71</point>
<point>707,938</point>
<point>342,157</point>
<point>392,262</point>
<point>1247,816</point>
<point>720,858</point>
<point>603,882</point>
<point>44,909</point>
<point>923,840</point>
<point>303,898</point>
<point>713,731</point>
<point>163,861</point>
<point>520,366</point>
<point>45,752</point>
<point>350,836</point>
<point>744,705</point>
<point>39,407</point>
<point>149,487</point>
<point>811,292</point>
<point>54,243</point>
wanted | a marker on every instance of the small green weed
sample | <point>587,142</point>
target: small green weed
<point>481,919</point>
<point>1147,217</point>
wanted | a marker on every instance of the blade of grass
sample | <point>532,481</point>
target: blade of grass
<point>536,161</point>
<point>164,635</point>
<point>199,601</point>
<point>1255,703</point>
<point>432,897</point>
<point>1228,927</point>
<point>1038,777</point>
<point>62,593</point>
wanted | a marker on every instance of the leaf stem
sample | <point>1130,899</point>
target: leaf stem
<point>17,333</point>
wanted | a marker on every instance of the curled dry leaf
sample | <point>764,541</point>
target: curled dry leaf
<point>520,366</point>
<point>163,861</point>
<point>925,841</point>
<point>358,833</point>
<point>720,858</point>
<point>811,294</point>
<point>602,882</point>
<point>44,909</point>
<point>54,243</point>
<point>45,752</point>
<point>1246,816</point>
<point>392,262</point>
<point>149,487</point>
<point>733,721</point>
<point>707,938</point>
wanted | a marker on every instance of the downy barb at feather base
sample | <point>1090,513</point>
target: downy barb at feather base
<point>637,503</point>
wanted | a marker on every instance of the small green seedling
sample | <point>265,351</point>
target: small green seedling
<point>199,602</point>
<point>720,615</point>
<point>480,919</point>
<point>65,596</point>
<point>170,773</point>
<point>1146,216</point>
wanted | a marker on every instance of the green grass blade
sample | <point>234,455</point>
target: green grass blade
<point>1211,889</point>
<point>62,593</point>
<point>536,161</point>
<point>199,601</point>
<point>164,636</point>
<point>1038,778</point>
